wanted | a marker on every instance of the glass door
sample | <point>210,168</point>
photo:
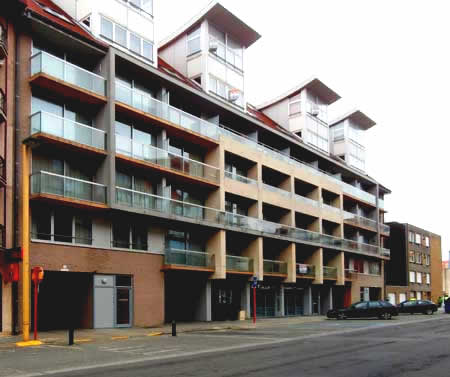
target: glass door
<point>124,301</point>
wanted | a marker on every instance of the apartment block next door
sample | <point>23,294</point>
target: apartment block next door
<point>112,301</point>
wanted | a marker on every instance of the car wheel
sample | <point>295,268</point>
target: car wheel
<point>341,316</point>
<point>386,315</point>
<point>429,312</point>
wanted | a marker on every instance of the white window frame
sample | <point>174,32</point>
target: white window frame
<point>189,38</point>
<point>411,237</point>
<point>427,241</point>
<point>428,278</point>
<point>412,256</point>
<point>412,276</point>
<point>418,239</point>
<point>297,113</point>
<point>427,260</point>
<point>419,278</point>
<point>139,8</point>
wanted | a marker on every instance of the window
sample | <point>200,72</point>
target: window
<point>419,258</point>
<point>419,295</point>
<point>183,241</point>
<point>418,238</point>
<point>224,47</point>
<point>411,237</point>
<point>427,241</point>
<point>106,29</point>
<point>129,236</point>
<point>412,276</point>
<point>411,256</point>
<point>427,260</point>
<point>295,107</point>
<point>127,39</point>
<point>225,91</point>
<point>361,305</point>
<point>193,41</point>
<point>374,268</point>
<point>419,277</point>
<point>374,304</point>
<point>61,226</point>
<point>141,5</point>
<point>428,280</point>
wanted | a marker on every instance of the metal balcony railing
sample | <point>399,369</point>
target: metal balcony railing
<point>330,272</point>
<point>3,42</point>
<point>386,229</point>
<point>43,62</point>
<point>51,124</point>
<point>152,106</point>
<point>2,171</point>
<point>360,220</point>
<point>161,157</point>
<point>188,258</point>
<point>305,270</point>
<point>274,267</point>
<point>54,184</point>
<point>277,190</point>
<point>240,264</point>
<point>2,105</point>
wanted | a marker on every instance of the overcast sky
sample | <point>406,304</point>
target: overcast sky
<point>389,58</point>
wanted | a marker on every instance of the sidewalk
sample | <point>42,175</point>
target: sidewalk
<point>107,335</point>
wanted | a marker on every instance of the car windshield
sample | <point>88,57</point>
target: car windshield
<point>386,304</point>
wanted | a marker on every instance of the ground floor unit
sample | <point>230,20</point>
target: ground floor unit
<point>397,294</point>
<point>86,287</point>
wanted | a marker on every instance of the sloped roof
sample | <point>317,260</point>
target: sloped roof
<point>219,15</point>
<point>356,116</point>
<point>57,16</point>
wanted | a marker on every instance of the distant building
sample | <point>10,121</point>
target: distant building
<point>446,277</point>
<point>414,270</point>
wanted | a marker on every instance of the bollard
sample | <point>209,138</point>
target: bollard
<point>174,328</point>
<point>71,332</point>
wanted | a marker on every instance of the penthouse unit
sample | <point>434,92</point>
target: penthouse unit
<point>153,199</point>
<point>414,270</point>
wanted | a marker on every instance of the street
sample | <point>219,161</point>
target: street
<point>405,346</point>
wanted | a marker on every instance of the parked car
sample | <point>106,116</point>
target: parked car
<point>447,306</point>
<point>417,306</point>
<point>365,309</point>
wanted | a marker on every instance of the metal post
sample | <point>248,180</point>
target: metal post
<point>25,244</point>
<point>71,333</point>
<point>174,328</point>
<point>36,291</point>
<point>254,304</point>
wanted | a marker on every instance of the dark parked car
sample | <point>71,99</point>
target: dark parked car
<point>417,306</point>
<point>365,309</point>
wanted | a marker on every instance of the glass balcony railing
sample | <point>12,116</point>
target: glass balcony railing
<point>240,264</point>
<point>240,178</point>
<point>274,267</point>
<point>385,252</point>
<point>332,208</point>
<point>381,203</point>
<point>67,187</point>
<point>152,106</point>
<point>67,129</point>
<point>386,229</point>
<point>188,258</point>
<point>3,42</point>
<point>43,62</point>
<point>277,190</point>
<point>330,272</point>
<point>346,187</point>
<point>2,104</point>
<point>161,157</point>
<point>305,270</point>
<point>360,220</point>
<point>306,200</point>
<point>144,201</point>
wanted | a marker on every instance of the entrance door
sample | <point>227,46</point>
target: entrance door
<point>392,298</point>
<point>103,302</point>
<point>289,302</point>
<point>123,307</point>
<point>315,295</point>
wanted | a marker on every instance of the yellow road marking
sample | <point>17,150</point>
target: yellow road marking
<point>83,340</point>
<point>119,337</point>
<point>29,343</point>
<point>155,333</point>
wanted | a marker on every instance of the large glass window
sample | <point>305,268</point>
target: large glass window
<point>418,238</point>
<point>127,236</point>
<point>226,91</point>
<point>225,47</point>
<point>193,41</point>
<point>412,276</point>
<point>295,108</point>
<point>106,29</point>
<point>182,240</point>
<point>121,35</point>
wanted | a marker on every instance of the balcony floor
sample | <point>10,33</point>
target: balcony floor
<point>171,267</point>
<point>77,203</point>
<point>66,89</point>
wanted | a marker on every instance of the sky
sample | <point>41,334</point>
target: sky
<point>388,58</point>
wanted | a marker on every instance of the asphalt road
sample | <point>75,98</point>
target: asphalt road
<point>409,346</point>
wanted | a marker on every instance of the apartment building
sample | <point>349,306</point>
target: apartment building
<point>156,191</point>
<point>414,270</point>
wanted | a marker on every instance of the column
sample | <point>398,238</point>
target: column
<point>203,310</point>
<point>316,259</point>
<point>307,301</point>
<point>246,300</point>
<point>216,247</point>
<point>338,262</point>
<point>255,251</point>
<point>288,256</point>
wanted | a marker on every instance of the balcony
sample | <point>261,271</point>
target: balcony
<point>176,121</point>
<point>276,190</point>
<point>329,272</point>
<point>2,172</point>
<point>55,129</point>
<point>274,268</point>
<point>2,236</point>
<point>239,265</point>
<point>68,80</point>
<point>360,221</point>
<point>2,106</point>
<point>159,158</point>
<point>3,43</point>
<point>304,199</point>
<point>385,252</point>
<point>349,274</point>
<point>268,151</point>
<point>305,270</point>
<point>385,229</point>
<point>49,186</point>
<point>328,207</point>
<point>187,260</point>
<point>144,201</point>
<point>240,178</point>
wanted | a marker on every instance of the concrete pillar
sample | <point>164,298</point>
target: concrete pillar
<point>326,300</point>
<point>281,311</point>
<point>203,309</point>
<point>307,301</point>
<point>246,300</point>
<point>216,247</point>
<point>7,302</point>
<point>216,158</point>
<point>316,259</point>
<point>338,262</point>
<point>288,256</point>
<point>255,251</point>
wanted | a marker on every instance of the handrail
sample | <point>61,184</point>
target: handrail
<point>67,177</point>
